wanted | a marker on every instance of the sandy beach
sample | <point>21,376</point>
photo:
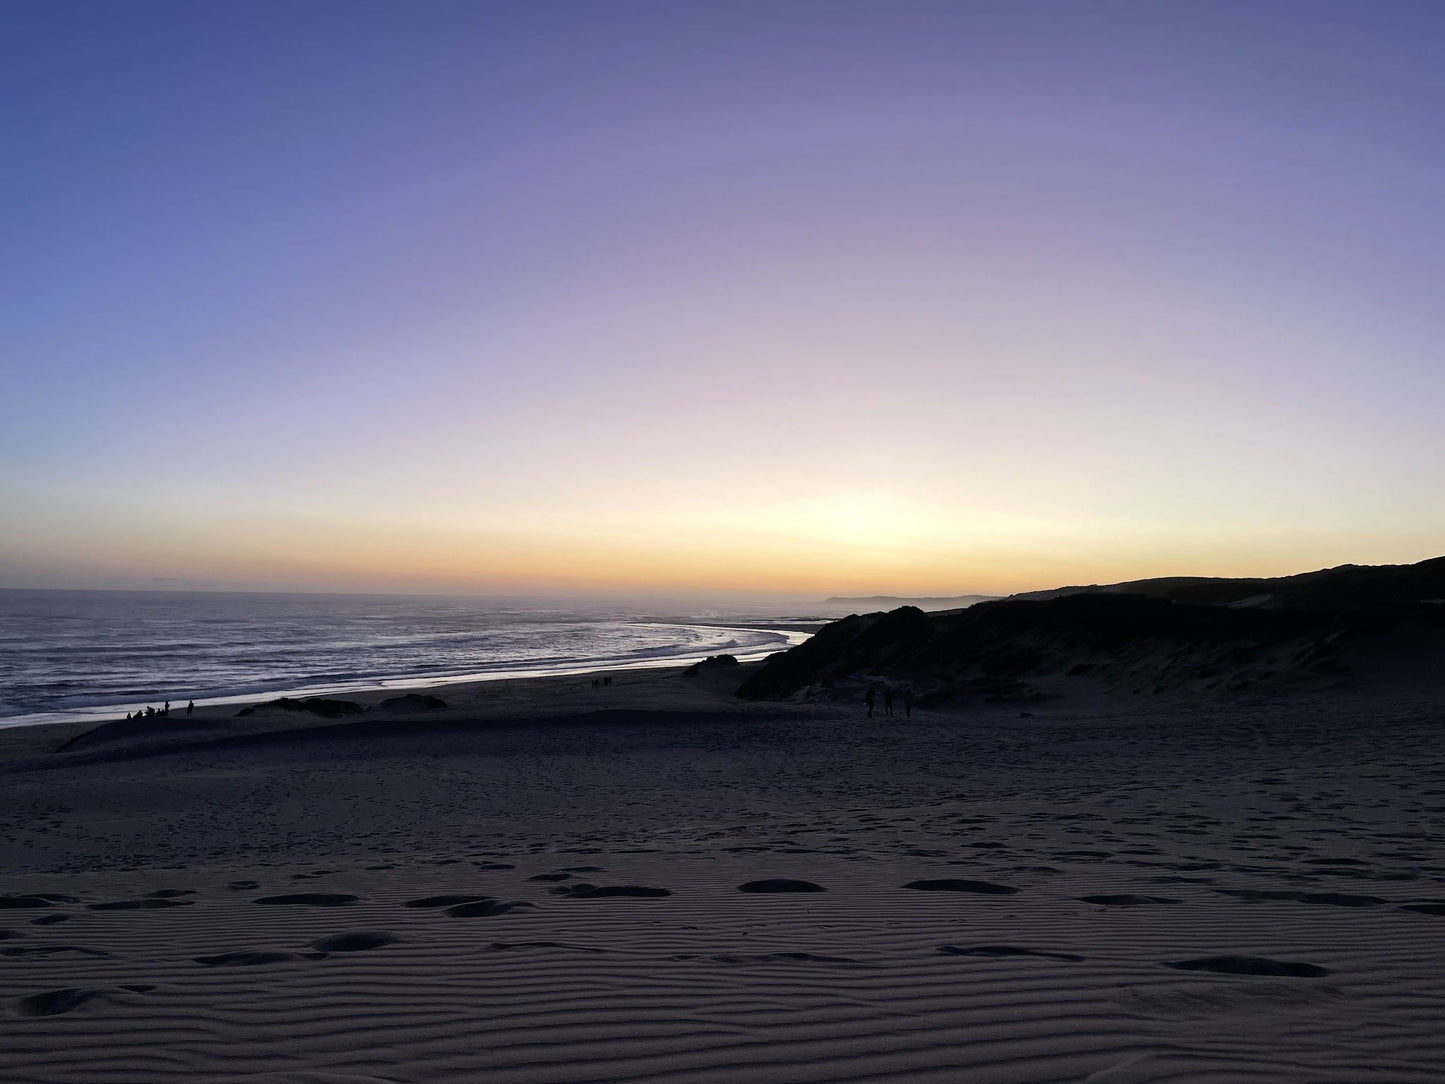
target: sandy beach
<point>548,882</point>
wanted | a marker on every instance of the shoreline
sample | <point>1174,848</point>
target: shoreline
<point>503,699</point>
<point>396,685</point>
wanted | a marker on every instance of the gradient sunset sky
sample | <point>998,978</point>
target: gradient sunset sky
<point>809,297</point>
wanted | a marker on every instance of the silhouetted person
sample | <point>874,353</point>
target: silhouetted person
<point>190,706</point>
<point>868,698</point>
<point>607,680</point>
<point>150,711</point>
<point>908,703</point>
<point>887,700</point>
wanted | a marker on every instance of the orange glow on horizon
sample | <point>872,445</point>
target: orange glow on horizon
<point>821,555</point>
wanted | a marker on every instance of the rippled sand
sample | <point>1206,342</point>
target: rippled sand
<point>548,882</point>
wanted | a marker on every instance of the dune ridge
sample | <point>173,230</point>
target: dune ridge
<point>1191,636</point>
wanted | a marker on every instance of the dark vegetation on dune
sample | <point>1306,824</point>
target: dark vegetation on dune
<point>1345,587</point>
<point>1149,637</point>
<point>712,664</point>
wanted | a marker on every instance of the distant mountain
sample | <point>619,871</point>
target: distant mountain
<point>892,602</point>
<point>1146,637</point>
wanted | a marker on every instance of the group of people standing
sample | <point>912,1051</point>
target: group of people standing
<point>871,697</point>
<point>151,712</point>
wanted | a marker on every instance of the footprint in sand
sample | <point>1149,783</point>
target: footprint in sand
<point>1004,950</point>
<point>597,892</point>
<point>987,888</point>
<point>511,946</point>
<point>311,899</point>
<point>1249,965</point>
<point>486,908</point>
<point>780,884</point>
<point>353,942</point>
<point>1340,899</point>
<point>147,904</point>
<point>35,901</point>
<point>254,959</point>
<point>1327,899</point>
<point>56,1002</point>
<point>765,958</point>
<point>1425,907</point>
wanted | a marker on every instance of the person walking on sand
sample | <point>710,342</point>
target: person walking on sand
<point>908,703</point>
<point>868,698</point>
<point>888,700</point>
<point>190,706</point>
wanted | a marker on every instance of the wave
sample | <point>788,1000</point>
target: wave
<point>100,656</point>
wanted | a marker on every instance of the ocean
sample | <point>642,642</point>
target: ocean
<point>74,655</point>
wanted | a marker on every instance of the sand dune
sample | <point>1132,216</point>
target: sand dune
<point>550,885</point>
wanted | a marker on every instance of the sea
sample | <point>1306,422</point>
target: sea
<point>93,655</point>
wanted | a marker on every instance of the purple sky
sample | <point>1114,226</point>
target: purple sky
<point>798,296</point>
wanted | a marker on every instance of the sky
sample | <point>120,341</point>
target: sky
<point>902,297</point>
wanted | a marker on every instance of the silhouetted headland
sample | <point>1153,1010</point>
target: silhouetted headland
<point>1145,637</point>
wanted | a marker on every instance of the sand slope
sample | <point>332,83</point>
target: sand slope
<point>1245,892</point>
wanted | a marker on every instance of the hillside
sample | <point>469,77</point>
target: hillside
<point>1151,637</point>
<point>1342,587</point>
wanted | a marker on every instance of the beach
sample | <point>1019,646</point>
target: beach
<point>547,881</point>
<point>95,656</point>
